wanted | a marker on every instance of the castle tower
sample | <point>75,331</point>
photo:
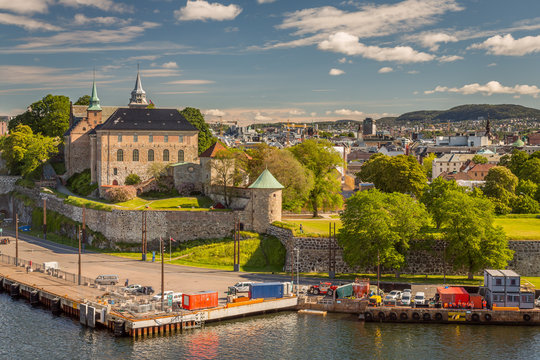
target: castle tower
<point>138,95</point>
<point>93,112</point>
<point>265,201</point>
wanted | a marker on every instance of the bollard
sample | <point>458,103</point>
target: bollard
<point>56,306</point>
<point>14,290</point>
<point>34,298</point>
<point>119,329</point>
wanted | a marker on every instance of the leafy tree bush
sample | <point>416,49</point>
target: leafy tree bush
<point>196,119</point>
<point>79,183</point>
<point>525,204</point>
<point>133,179</point>
<point>83,100</point>
<point>479,159</point>
<point>120,193</point>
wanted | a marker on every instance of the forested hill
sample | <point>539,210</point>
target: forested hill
<point>472,112</point>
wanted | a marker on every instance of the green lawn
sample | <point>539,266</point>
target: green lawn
<point>517,227</point>
<point>257,253</point>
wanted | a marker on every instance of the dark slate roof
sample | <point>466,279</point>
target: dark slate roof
<point>147,119</point>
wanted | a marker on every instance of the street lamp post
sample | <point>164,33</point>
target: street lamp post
<point>297,271</point>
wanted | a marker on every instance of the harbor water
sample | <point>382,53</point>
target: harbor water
<point>34,333</point>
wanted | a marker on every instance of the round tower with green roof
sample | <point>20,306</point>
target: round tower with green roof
<point>265,201</point>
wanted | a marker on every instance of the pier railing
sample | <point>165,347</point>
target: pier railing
<point>69,277</point>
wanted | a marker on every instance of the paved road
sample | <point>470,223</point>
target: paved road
<point>177,278</point>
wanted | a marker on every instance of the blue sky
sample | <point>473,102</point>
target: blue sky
<point>264,60</point>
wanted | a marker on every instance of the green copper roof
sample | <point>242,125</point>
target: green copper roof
<point>266,181</point>
<point>518,143</point>
<point>94,100</point>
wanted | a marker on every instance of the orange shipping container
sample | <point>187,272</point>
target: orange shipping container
<point>200,300</point>
<point>477,301</point>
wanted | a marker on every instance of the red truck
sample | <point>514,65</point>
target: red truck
<point>323,288</point>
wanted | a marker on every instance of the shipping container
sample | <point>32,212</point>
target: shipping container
<point>265,290</point>
<point>452,295</point>
<point>200,300</point>
<point>287,289</point>
<point>361,288</point>
<point>477,301</point>
<point>344,291</point>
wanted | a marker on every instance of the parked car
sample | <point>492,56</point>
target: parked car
<point>107,280</point>
<point>242,286</point>
<point>157,297</point>
<point>393,295</point>
<point>407,291</point>
<point>406,299</point>
<point>146,290</point>
<point>420,298</point>
<point>133,288</point>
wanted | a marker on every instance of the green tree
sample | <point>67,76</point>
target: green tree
<point>479,159</point>
<point>25,151</point>
<point>379,225</point>
<point>515,161</point>
<point>525,204</point>
<point>434,193</point>
<point>530,170</point>
<point>48,116</point>
<point>229,166</point>
<point>400,173</point>
<point>132,179</point>
<point>196,119</point>
<point>473,242</point>
<point>500,187</point>
<point>427,164</point>
<point>83,100</point>
<point>296,179</point>
<point>319,157</point>
<point>526,187</point>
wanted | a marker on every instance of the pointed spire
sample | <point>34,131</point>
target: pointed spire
<point>94,100</point>
<point>138,95</point>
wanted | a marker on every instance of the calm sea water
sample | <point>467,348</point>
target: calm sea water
<point>28,333</point>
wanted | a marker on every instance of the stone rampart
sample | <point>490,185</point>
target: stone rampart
<point>7,183</point>
<point>314,256</point>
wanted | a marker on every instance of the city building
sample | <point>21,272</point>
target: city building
<point>450,163</point>
<point>369,127</point>
<point>503,289</point>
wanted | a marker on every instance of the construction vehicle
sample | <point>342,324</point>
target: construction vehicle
<point>325,288</point>
<point>375,300</point>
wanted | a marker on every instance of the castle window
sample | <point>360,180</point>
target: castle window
<point>120,155</point>
<point>135,155</point>
<point>180,138</point>
<point>135,138</point>
<point>150,155</point>
<point>166,138</point>
<point>119,138</point>
<point>165,155</point>
<point>180,155</point>
<point>150,138</point>
<point>115,171</point>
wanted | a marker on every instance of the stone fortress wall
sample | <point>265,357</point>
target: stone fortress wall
<point>7,183</point>
<point>314,256</point>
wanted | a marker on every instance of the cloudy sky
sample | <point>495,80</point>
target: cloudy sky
<point>268,60</point>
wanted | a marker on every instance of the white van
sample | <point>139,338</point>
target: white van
<point>177,298</point>
<point>50,265</point>
<point>419,298</point>
<point>107,280</point>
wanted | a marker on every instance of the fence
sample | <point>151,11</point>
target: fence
<point>69,277</point>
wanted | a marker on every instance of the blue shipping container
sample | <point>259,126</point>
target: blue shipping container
<point>265,290</point>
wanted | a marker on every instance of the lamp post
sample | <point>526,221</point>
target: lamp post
<point>79,233</point>
<point>297,271</point>
<point>44,218</point>
<point>162,275</point>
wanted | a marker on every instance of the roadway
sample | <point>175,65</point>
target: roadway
<point>178,278</point>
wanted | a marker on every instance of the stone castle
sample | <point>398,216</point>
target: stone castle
<point>114,142</point>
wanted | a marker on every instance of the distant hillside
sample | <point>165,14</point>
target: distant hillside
<point>472,112</point>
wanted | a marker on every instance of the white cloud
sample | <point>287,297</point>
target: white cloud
<point>170,65</point>
<point>260,117</point>
<point>450,58</point>
<point>26,22</point>
<point>348,44</point>
<point>189,82</point>
<point>265,1</point>
<point>215,112</point>
<point>180,92</point>
<point>143,57</point>
<point>336,72</point>
<point>26,6</point>
<point>296,112</point>
<point>315,24</point>
<point>32,75</point>
<point>106,5</point>
<point>413,72</point>
<point>488,89</point>
<point>231,29</point>
<point>313,114</point>
<point>342,60</point>
<point>80,19</point>
<point>347,112</point>
<point>507,45</point>
<point>432,40</point>
<point>492,64</point>
<point>160,72</point>
<point>385,70</point>
<point>203,10</point>
<point>79,37</point>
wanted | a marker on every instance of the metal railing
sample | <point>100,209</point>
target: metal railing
<point>61,274</point>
